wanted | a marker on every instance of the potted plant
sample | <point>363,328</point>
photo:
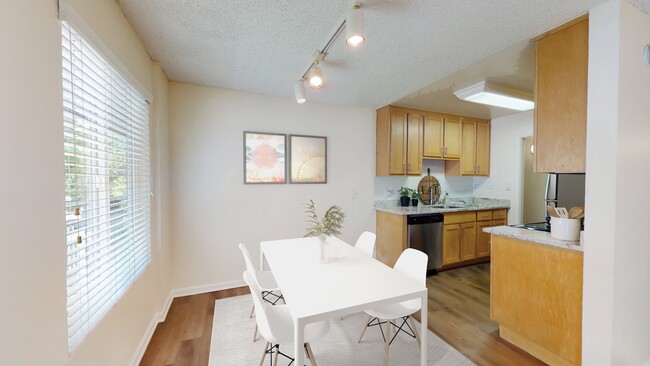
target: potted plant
<point>330,225</point>
<point>405,196</point>
<point>414,197</point>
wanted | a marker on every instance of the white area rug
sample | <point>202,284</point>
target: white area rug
<point>232,342</point>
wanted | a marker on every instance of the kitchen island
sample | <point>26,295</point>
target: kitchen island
<point>536,293</point>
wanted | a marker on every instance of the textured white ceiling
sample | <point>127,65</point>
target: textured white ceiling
<point>265,46</point>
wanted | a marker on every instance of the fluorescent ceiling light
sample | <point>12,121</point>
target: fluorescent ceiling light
<point>496,95</point>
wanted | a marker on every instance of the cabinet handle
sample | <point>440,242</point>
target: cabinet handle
<point>446,151</point>
<point>442,152</point>
<point>478,169</point>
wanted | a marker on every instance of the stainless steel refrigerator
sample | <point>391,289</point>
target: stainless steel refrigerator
<point>565,190</point>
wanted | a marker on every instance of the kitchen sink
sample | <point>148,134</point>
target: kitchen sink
<point>447,206</point>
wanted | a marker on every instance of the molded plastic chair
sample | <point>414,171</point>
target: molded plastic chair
<point>268,287</point>
<point>412,263</point>
<point>276,325</point>
<point>366,243</point>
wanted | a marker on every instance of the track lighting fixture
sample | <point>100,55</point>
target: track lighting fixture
<point>299,89</point>
<point>316,78</point>
<point>354,37</point>
<point>354,28</point>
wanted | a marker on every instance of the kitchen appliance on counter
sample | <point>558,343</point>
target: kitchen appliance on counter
<point>425,234</point>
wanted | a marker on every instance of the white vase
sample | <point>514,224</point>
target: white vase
<point>324,248</point>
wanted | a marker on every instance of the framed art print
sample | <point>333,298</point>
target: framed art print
<point>307,159</point>
<point>264,157</point>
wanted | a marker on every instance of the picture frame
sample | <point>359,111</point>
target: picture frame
<point>265,158</point>
<point>307,159</point>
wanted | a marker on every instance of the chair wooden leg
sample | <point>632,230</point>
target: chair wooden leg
<point>252,311</point>
<point>255,333</point>
<point>364,328</point>
<point>275,355</point>
<point>310,354</point>
<point>387,343</point>
<point>415,331</point>
<point>266,347</point>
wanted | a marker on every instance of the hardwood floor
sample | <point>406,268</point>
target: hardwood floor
<point>459,312</point>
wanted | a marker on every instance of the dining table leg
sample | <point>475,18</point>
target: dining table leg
<point>298,341</point>
<point>424,329</point>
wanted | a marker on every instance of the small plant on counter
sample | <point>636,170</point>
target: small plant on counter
<point>405,196</point>
<point>330,225</point>
<point>414,197</point>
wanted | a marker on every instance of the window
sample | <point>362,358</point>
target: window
<point>107,184</point>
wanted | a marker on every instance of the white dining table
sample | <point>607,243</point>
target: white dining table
<point>350,282</point>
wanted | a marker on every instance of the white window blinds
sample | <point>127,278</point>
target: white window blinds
<point>107,184</point>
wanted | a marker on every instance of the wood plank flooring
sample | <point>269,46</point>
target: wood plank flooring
<point>459,312</point>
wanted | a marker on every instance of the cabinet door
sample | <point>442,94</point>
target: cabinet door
<point>561,100</point>
<point>432,139</point>
<point>468,241</point>
<point>483,148</point>
<point>468,157</point>
<point>452,137</point>
<point>397,142</point>
<point>483,239</point>
<point>414,144</point>
<point>450,244</point>
<point>500,222</point>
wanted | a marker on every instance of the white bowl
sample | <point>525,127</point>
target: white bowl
<point>565,229</point>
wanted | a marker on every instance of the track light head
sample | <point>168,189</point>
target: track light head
<point>315,78</point>
<point>299,90</point>
<point>354,28</point>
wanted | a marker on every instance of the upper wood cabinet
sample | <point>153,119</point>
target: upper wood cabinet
<point>561,98</point>
<point>475,155</point>
<point>442,137</point>
<point>399,142</point>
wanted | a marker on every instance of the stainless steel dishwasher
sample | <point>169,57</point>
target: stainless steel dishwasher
<point>425,234</point>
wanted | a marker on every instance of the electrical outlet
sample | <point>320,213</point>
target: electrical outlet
<point>353,195</point>
<point>387,193</point>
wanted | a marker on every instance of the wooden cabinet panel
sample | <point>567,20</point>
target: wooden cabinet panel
<point>468,156</point>
<point>561,100</point>
<point>467,241</point>
<point>414,144</point>
<point>500,214</point>
<point>432,143</point>
<point>397,142</point>
<point>459,217</point>
<point>483,215</point>
<point>536,297</point>
<point>391,237</point>
<point>482,148</point>
<point>450,244</point>
<point>452,137</point>
<point>483,239</point>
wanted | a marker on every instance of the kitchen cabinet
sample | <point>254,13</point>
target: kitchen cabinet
<point>442,137</point>
<point>485,219</point>
<point>561,98</point>
<point>475,152</point>
<point>536,297</point>
<point>399,142</point>
<point>458,237</point>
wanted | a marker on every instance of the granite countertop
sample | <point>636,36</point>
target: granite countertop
<point>539,237</point>
<point>455,205</point>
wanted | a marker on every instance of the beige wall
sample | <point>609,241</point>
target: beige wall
<point>213,210</point>
<point>616,321</point>
<point>33,329</point>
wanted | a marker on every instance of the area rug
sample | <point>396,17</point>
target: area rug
<point>232,342</point>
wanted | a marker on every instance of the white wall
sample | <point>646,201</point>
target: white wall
<point>506,163</point>
<point>33,328</point>
<point>455,186</point>
<point>213,210</point>
<point>616,321</point>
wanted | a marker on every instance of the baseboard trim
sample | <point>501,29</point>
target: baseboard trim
<point>160,316</point>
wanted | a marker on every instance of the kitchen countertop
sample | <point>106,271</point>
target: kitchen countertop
<point>467,203</point>
<point>539,237</point>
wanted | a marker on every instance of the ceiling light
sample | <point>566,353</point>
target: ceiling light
<point>354,28</point>
<point>299,89</point>
<point>316,78</point>
<point>496,95</point>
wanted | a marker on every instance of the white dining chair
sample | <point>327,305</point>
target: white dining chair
<point>366,243</point>
<point>276,326</point>
<point>412,263</point>
<point>268,287</point>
